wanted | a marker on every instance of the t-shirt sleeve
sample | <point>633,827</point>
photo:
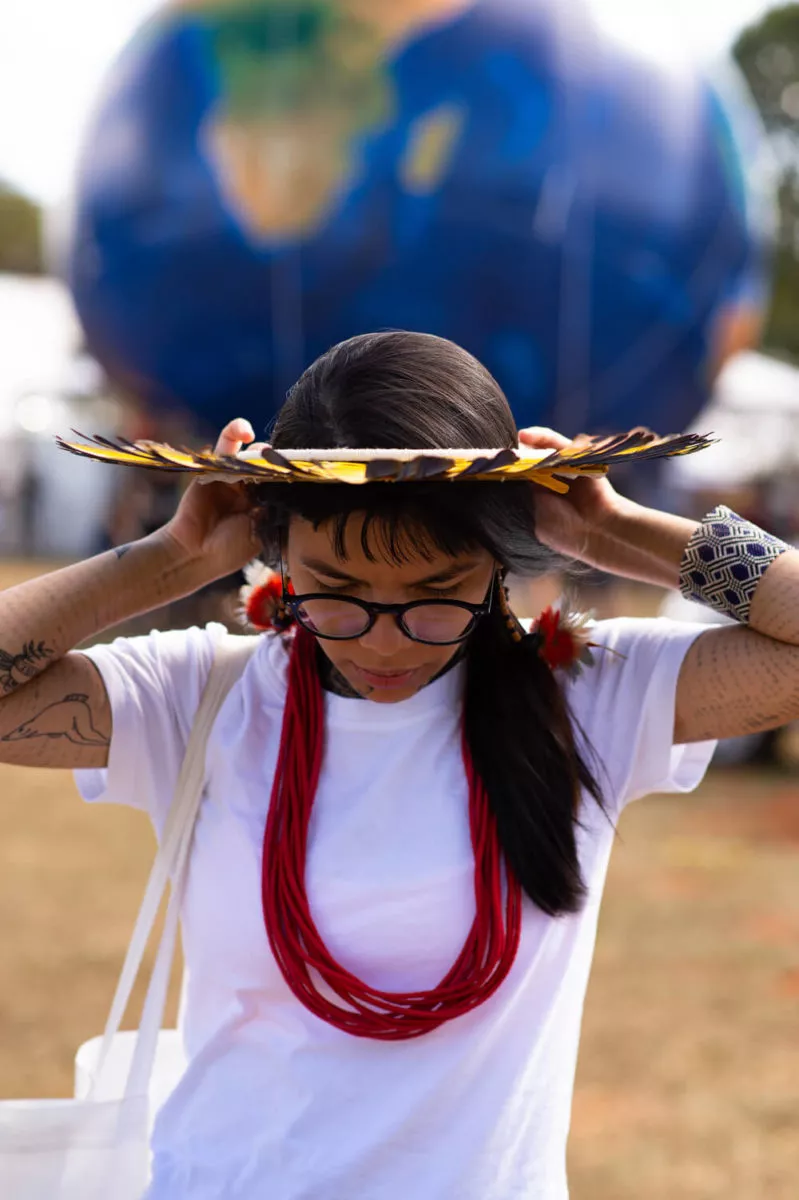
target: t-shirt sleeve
<point>625,708</point>
<point>154,685</point>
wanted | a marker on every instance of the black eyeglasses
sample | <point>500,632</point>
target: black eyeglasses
<point>344,618</point>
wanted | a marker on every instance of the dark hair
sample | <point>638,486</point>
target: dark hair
<point>416,391</point>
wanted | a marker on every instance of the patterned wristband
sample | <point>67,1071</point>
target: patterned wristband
<point>724,562</point>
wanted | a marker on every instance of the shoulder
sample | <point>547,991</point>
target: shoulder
<point>633,679</point>
<point>265,680</point>
<point>155,660</point>
<point>155,684</point>
<point>624,707</point>
<point>629,655</point>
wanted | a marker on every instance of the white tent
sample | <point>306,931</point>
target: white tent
<point>49,503</point>
<point>754,413</point>
<point>39,339</point>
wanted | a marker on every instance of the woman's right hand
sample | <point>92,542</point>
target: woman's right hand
<point>213,524</point>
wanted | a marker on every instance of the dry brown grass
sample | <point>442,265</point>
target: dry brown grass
<point>688,1083</point>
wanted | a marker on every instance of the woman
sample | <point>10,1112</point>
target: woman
<point>389,1072</point>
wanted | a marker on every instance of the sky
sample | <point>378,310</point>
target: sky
<point>54,54</point>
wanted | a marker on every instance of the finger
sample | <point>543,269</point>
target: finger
<point>541,437</point>
<point>235,434</point>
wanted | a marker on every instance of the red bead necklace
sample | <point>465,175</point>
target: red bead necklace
<point>490,948</point>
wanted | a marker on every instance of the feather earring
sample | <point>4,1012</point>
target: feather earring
<point>261,604</point>
<point>564,640</point>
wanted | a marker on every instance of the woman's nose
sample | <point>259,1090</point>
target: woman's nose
<point>385,637</point>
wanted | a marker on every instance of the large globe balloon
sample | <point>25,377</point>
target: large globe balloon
<point>264,178</point>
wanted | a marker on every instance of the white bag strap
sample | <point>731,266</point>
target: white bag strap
<point>230,659</point>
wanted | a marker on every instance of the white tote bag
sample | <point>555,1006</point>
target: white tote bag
<point>97,1146</point>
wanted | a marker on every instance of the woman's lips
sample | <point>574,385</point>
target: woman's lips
<point>386,679</point>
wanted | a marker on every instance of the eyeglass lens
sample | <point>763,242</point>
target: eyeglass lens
<point>343,619</point>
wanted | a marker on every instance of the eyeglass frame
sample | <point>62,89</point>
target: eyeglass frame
<point>373,610</point>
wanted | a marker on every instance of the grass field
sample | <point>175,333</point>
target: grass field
<point>688,1082</point>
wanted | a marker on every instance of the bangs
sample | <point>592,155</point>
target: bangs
<point>399,537</point>
<point>397,527</point>
<point>404,521</point>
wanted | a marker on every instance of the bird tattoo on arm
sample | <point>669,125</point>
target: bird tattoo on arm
<point>70,718</point>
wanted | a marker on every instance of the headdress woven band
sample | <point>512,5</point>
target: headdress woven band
<point>550,468</point>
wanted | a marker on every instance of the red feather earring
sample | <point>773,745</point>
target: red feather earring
<point>261,599</point>
<point>564,640</point>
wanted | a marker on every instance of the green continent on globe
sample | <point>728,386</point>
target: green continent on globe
<point>299,84</point>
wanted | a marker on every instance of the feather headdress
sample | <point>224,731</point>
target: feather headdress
<point>586,456</point>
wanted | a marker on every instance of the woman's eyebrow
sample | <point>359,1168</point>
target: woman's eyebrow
<point>323,568</point>
<point>444,576</point>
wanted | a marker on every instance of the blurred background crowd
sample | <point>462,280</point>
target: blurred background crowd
<point>599,198</point>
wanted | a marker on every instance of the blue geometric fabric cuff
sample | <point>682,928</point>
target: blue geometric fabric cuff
<point>724,562</point>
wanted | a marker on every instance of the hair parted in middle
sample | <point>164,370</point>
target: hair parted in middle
<point>416,391</point>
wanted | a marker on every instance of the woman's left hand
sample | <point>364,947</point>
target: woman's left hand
<point>573,524</point>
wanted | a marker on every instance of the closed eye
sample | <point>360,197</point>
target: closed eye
<point>449,593</point>
<point>343,589</point>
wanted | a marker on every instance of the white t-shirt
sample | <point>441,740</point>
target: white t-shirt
<point>275,1102</point>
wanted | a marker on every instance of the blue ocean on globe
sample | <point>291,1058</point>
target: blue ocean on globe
<point>263,179</point>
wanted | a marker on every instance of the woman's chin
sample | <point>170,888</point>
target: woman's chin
<point>381,696</point>
<point>387,687</point>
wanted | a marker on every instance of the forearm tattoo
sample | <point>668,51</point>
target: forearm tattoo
<point>16,669</point>
<point>70,718</point>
